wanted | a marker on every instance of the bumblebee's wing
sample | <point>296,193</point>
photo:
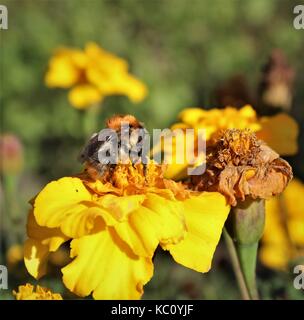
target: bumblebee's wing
<point>88,149</point>
<point>95,147</point>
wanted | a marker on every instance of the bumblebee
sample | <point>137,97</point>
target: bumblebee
<point>130,133</point>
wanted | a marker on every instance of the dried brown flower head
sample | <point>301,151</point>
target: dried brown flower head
<point>240,165</point>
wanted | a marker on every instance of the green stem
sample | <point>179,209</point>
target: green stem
<point>236,266</point>
<point>10,206</point>
<point>245,225</point>
<point>247,256</point>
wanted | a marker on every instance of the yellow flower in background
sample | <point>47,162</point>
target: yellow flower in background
<point>29,292</point>
<point>280,132</point>
<point>65,68</point>
<point>92,74</point>
<point>14,254</point>
<point>214,120</point>
<point>283,239</point>
<point>115,220</point>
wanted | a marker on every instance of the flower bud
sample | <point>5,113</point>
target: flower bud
<point>246,221</point>
<point>11,154</point>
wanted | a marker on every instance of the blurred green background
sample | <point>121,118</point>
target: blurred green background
<point>182,50</point>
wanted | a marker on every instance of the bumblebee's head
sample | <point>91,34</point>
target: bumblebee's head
<point>116,121</point>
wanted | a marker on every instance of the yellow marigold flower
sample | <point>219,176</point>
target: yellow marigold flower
<point>29,292</point>
<point>65,68</point>
<point>84,95</point>
<point>115,219</point>
<point>92,74</point>
<point>283,238</point>
<point>280,132</point>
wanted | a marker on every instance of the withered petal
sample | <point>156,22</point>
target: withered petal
<point>240,165</point>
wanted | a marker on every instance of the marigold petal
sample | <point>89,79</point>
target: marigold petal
<point>158,220</point>
<point>169,218</point>
<point>274,228</point>
<point>120,207</point>
<point>83,222</point>
<point>276,249</point>
<point>280,132</point>
<point>41,242</point>
<point>205,216</point>
<point>296,231</point>
<point>65,68</point>
<point>68,205</point>
<point>29,292</point>
<point>57,196</point>
<point>109,74</point>
<point>105,60</point>
<point>275,256</point>
<point>84,95</point>
<point>176,171</point>
<point>35,257</point>
<point>134,89</point>
<point>283,235</point>
<point>294,194</point>
<point>191,116</point>
<point>51,237</point>
<point>142,232</point>
<point>101,188</point>
<point>105,266</point>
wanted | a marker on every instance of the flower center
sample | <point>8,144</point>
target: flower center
<point>235,147</point>
<point>133,177</point>
<point>138,175</point>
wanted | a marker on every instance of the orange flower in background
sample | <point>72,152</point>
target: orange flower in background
<point>92,74</point>
<point>115,219</point>
<point>280,132</point>
<point>283,239</point>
